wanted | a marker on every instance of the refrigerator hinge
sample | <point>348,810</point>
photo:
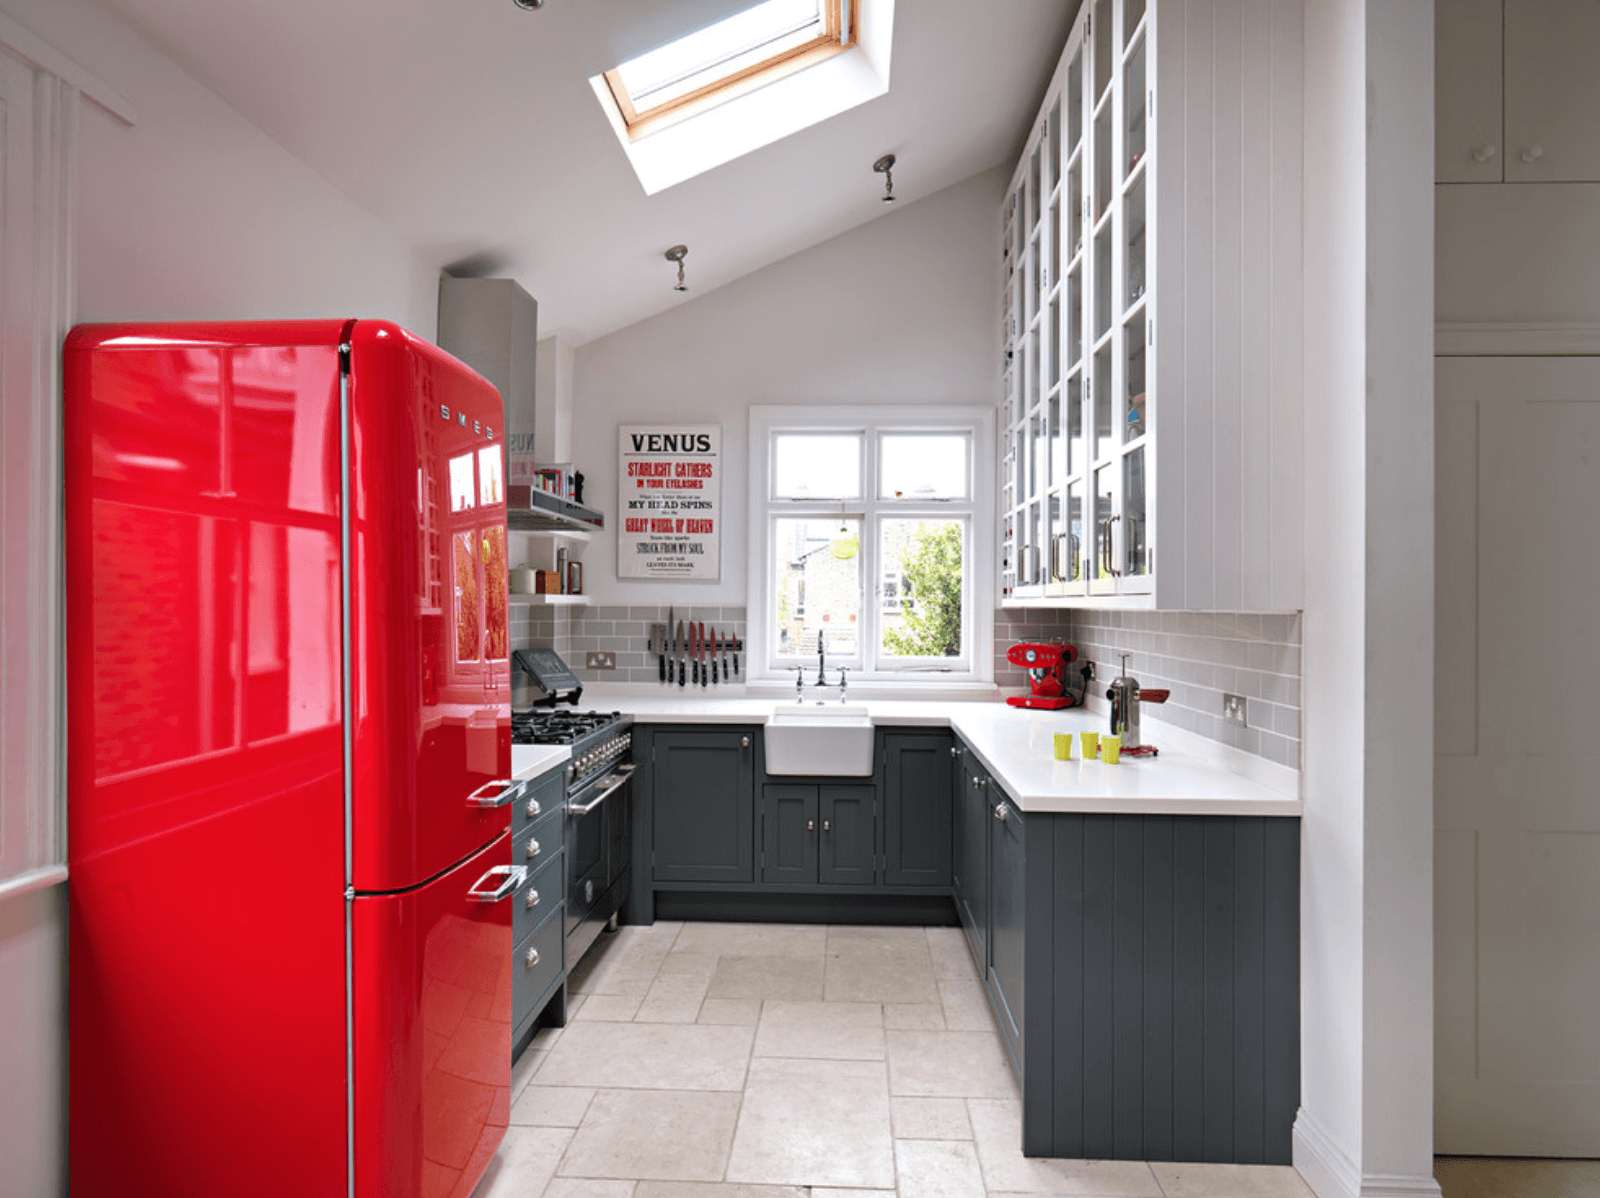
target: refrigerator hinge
<point>344,357</point>
<point>349,894</point>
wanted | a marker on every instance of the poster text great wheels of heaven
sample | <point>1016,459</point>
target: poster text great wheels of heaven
<point>669,483</point>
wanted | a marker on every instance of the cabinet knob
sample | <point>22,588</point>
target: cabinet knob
<point>955,750</point>
<point>533,808</point>
<point>811,825</point>
<point>744,742</point>
<point>532,958</point>
<point>532,900</point>
<point>533,849</point>
<point>827,825</point>
<point>1002,812</point>
<point>1482,154</point>
<point>1532,154</point>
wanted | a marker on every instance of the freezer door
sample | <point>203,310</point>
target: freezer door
<point>432,1009</point>
<point>429,663</point>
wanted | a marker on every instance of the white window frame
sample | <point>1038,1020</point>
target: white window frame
<point>976,510</point>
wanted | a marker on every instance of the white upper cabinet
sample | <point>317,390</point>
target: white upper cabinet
<point>1151,316</point>
<point>1552,91</point>
<point>1468,116</point>
<point>1518,91</point>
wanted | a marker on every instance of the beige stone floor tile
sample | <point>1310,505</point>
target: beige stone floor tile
<point>916,1016</point>
<point>673,1000</point>
<point>867,940</point>
<point>947,1065</point>
<point>835,1031</point>
<point>796,978</point>
<point>930,1119</point>
<point>522,1072</point>
<point>951,956</point>
<point>831,1192</point>
<point>1499,1177</point>
<point>882,977</point>
<point>609,1008</point>
<point>649,1056</point>
<point>938,1169</point>
<point>1230,1181</point>
<point>550,1106</point>
<point>752,939</point>
<point>966,1007</point>
<point>588,1187</point>
<point>814,1123</point>
<point>688,965</point>
<point>735,1012</point>
<point>525,1162</point>
<point>679,1189</point>
<point>664,1135</point>
<point>997,1129</point>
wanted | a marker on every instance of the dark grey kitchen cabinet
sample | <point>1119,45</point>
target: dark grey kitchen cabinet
<point>972,787</point>
<point>788,833</point>
<point>917,809</point>
<point>703,806</point>
<point>848,842</point>
<point>1007,912</point>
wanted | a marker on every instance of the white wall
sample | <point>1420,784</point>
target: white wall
<point>1366,1120</point>
<point>190,213</point>
<point>904,309</point>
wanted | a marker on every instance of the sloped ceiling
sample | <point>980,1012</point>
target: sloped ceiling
<point>470,128</point>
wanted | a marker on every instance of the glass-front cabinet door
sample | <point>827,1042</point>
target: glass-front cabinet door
<point>1076,479</point>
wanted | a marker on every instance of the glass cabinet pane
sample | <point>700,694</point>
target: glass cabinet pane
<point>1135,527</point>
<point>1052,360</point>
<point>1133,104</point>
<point>1056,539</point>
<point>1102,282</point>
<point>1103,176</point>
<point>1133,342</point>
<point>1052,147</point>
<point>1034,197</point>
<point>1134,221</point>
<point>1056,450</point>
<point>1076,457</point>
<point>1132,14</point>
<point>1039,448</point>
<point>1073,202</point>
<point>1105,433</point>
<point>1073,317</point>
<point>1074,546</point>
<point>1074,90</point>
<point>1102,47</point>
<point>1100,565</point>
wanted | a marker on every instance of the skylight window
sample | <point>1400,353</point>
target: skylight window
<point>748,50</point>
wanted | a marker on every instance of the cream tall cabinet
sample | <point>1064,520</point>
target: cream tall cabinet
<point>1151,316</point>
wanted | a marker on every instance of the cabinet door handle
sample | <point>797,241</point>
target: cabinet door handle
<point>744,742</point>
<point>532,958</point>
<point>532,900</point>
<point>1532,154</point>
<point>532,850</point>
<point>482,798</point>
<point>1002,812</point>
<point>827,825</point>
<point>1483,154</point>
<point>811,825</point>
<point>510,877</point>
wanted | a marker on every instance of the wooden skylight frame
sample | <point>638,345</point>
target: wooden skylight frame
<point>837,31</point>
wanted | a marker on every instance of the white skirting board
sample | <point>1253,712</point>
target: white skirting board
<point>1330,1172</point>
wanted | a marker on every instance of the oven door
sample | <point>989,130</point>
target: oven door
<point>589,816</point>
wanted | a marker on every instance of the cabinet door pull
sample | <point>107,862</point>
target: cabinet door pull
<point>1532,154</point>
<point>827,825</point>
<point>811,825</point>
<point>744,742</point>
<point>1483,154</point>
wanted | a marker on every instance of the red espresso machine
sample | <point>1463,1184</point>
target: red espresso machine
<point>1055,680</point>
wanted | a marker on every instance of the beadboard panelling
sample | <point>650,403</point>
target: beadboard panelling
<point>1173,1012</point>
<point>1228,404</point>
<point>1199,656</point>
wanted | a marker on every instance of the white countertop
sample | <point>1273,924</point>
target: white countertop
<point>529,761</point>
<point>1014,745</point>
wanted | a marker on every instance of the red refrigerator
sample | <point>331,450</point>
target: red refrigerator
<point>288,751</point>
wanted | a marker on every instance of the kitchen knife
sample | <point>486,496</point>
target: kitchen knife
<point>658,641</point>
<point>677,650</point>
<point>737,645</point>
<point>726,641</point>
<point>715,646</point>
<point>703,670</point>
<point>672,645</point>
<point>694,653</point>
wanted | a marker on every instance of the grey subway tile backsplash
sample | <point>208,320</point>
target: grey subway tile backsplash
<point>625,631</point>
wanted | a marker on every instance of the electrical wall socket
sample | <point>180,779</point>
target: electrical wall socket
<point>1233,709</point>
<point>600,661</point>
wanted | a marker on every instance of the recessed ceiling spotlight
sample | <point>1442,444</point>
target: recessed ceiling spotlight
<point>677,254</point>
<point>885,167</point>
<point>529,4</point>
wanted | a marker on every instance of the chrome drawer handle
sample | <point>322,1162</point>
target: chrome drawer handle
<point>532,900</point>
<point>512,876</point>
<point>482,798</point>
<point>532,958</point>
<point>532,849</point>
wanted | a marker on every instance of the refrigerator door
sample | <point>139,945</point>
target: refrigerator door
<point>204,762</point>
<point>429,663</point>
<point>432,993</point>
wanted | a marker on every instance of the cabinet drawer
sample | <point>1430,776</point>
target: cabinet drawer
<point>540,840</point>
<point>536,965</point>
<point>538,895</point>
<point>537,798</point>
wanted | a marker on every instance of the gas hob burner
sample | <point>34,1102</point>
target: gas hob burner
<point>548,726</point>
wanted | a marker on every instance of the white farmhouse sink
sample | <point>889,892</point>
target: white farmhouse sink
<point>834,740</point>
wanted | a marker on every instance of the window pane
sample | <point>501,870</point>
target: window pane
<point>817,588</point>
<point>461,497</point>
<point>719,50</point>
<point>923,562</point>
<point>494,592</point>
<point>925,465</point>
<point>469,602</point>
<point>816,466</point>
<point>490,488</point>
